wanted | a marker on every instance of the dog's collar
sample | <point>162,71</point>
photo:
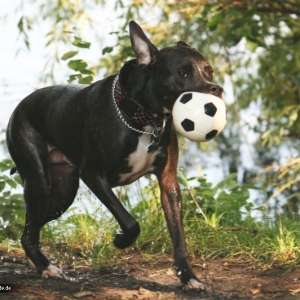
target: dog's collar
<point>139,116</point>
<point>137,113</point>
<point>132,109</point>
<point>128,103</point>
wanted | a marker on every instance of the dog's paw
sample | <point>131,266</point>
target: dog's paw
<point>194,285</point>
<point>53,272</point>
<point>123,241</point>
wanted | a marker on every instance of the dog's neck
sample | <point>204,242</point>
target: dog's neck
<point>136,112</point>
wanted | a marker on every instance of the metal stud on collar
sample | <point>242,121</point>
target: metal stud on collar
<point>156,132</point>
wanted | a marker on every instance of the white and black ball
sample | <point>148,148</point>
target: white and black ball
<point>199,117</point>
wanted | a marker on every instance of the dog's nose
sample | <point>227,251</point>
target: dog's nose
<point>216,90</point>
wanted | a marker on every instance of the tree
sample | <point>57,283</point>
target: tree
<point>254,44</point>
<point>254,47</point>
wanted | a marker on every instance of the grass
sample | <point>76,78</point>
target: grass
<point>218,222</point>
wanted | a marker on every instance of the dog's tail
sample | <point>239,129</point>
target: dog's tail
<point>13,170</point>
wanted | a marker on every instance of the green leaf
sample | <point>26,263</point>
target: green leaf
<point>69,55</point>
<point>86,80</point>
<point>78,42</point>
<point>293,117</point>
<point>250,45</point>
<point>209,8</point>
<point>16,197</point>
<point>18,179</point>
<point>265,136</point>
<point>229,182</point>
<point>6,164</point>
<point>11,183</point>
<point>214,21</point>
<point>73,77</point>
<point>2,185</point>
<point>6,194</point>
<point>77,65</point>
<point>50,41</point>
<point>107,50</point>
<point>87,72</point>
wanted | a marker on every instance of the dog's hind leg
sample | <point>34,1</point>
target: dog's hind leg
<point>46,200</point>
<point>49,189</point>
<point>63,188</point>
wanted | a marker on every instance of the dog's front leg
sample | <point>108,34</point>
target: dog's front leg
<point>172,206</point>
<point>99,186</point>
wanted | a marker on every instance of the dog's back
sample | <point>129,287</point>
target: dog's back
<point>59,134</point>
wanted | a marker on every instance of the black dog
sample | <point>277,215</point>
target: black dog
<point>108,134</point>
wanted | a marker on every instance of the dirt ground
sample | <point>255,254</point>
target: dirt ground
<point>139,277</point>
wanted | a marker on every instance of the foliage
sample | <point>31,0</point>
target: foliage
<point>62,17</point>
<point>83,75</point>
<point>253,46</point>
<point>284,180</point>
<point>11,203</point>
<point>227,199</point>
<point>222,228</point>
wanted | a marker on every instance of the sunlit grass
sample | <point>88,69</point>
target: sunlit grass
<point>218,224</point>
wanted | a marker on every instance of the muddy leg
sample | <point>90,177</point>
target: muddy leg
<point>172,205</point>
<point>49,189</point>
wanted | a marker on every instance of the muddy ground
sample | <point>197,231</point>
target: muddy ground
<point>141,277</point>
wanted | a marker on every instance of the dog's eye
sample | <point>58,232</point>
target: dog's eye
<point>182,74</point>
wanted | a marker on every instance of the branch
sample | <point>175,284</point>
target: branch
<point>254,231</point>
<point>282,7</point>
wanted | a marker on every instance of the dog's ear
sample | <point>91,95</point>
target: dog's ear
<point>183,44</point>
<point>145,51</point>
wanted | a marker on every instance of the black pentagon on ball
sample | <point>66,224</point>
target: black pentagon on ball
<point>211,134</point>
<point>188,125</point>
<point>210,109</point>
<point>186,98</point>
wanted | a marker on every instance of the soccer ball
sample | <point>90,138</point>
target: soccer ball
<point>199,117</point>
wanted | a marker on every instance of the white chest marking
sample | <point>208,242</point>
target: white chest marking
<point>140,161</point>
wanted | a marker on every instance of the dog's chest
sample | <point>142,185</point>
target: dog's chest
<point>140,162</point>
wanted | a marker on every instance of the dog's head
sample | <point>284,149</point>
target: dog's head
<point>158,77</point>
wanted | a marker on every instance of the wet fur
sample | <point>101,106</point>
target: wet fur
<point>60,134</point>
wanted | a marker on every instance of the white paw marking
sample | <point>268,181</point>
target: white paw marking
<point>53,271</point>
<point>193,284</point>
